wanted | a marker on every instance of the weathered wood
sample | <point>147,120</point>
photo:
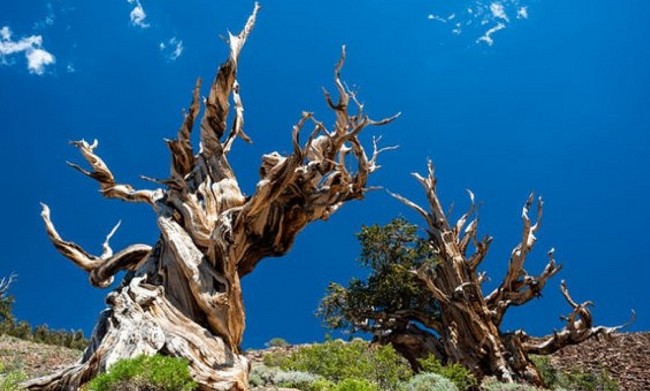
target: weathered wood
<point>182,297</point>
<point>467,327</point>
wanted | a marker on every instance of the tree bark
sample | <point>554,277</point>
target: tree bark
<point>182,297</point>
<point>468,326</point>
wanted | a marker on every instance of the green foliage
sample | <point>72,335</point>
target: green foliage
<point>10,379</point>
<point>429,382</point>
<point>458,374</point>
<point>576,379</point>
<point>546,370</point>
<point>275,359</point>
<point>338,360</point>
<point>262,375</point>
<point>277,343</point>
<point>323,385</point>
<point>580,380</point>
<point>147,372</point>
<point>492,384</point>
<point>355,385</point>
<point>391,252</point>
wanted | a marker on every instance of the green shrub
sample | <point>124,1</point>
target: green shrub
<point>356,385</point>
<point>492,384</point>
<point>575,379</point>
<point>546,370</point>
<point>338,360</point>
<point>580,380</point>
<point>323,385</point>
<point>427,381</point>
<point>275,359</point>
<point>277,343</point>
<point>262,375</point>
<point>146,372</point>
<point>458,374</point>
<point>10,380</point>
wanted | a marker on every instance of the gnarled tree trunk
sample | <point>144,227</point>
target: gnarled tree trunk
<point>468,326</point>
<point>182,297</point>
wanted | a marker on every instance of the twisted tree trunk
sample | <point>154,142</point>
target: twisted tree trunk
<point>467,327</point>
<point>182,297</point>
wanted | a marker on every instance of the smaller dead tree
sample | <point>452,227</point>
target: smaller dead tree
<point>424,295</point>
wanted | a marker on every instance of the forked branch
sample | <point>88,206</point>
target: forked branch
<point>101,268</point>
<point>101,173</point>
<point>579,327</point>
<point>518,287</point>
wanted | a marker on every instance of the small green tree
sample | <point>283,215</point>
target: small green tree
<point>277,343</point>
<point>391,298</point>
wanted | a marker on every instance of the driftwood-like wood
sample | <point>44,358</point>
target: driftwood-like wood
<point>467,328</point>
<point>182,297</point>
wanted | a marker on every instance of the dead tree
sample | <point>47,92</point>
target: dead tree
<point>182,296</point>
<point>468,325</point>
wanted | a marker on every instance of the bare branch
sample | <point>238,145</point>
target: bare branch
<point>101,269</point>
<point>183,159</point>
<point>101,173</point>
<point>518,287</point>
<point>579,328</point>
<point>5,284</point>
<point>213,124</point>
<point>377,151</point>
<point>108,251</point>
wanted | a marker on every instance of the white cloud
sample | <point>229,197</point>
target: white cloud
<point>457,30</point>
<point>138,15</point>
<point>172,49</point>
<point>5,33</point>
<point>522,13</point>
<point>498,12</point>
<point>487,37</point>
<point>437,18</point>
<point>70,68</point>
<point>37,57</point>
<point>479,20</point>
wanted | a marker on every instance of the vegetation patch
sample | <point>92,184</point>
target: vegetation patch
<point>157,372</point>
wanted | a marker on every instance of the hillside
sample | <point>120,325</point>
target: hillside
<point>626,357</point>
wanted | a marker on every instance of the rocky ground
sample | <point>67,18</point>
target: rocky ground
<point>626,357</point>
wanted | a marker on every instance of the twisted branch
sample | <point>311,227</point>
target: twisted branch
<point>101,268</point>
<point>579,327</point>
<point>518,287</point>
<point>101,173</point>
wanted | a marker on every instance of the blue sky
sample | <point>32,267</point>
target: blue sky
<point>505,96</point>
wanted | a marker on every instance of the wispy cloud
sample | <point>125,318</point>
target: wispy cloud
<point>487,37</point>
<point>436,18</point>
<point>138,15</point>
<point>32,46</point>
<point>498,12</point>
<point>49,19</point>
<point>522,13</point>
<point>479,20</point>
<point>172,49</point>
